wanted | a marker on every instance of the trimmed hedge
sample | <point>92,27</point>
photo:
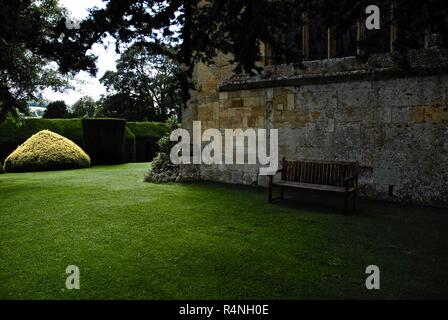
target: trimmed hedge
<point>104,140</point>
<point>46,150</point>
<point>129,146</point>
<point>146,136</point>
<point>148,129</point>
<point>140,137</point>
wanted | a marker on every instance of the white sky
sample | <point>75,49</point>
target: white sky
<point>106,60</point>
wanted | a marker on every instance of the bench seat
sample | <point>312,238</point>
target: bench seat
<point>311,186</point>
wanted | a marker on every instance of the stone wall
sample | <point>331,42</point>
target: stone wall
<point>394,121</point>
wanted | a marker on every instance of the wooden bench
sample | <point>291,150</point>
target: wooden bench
<point>330,176</point>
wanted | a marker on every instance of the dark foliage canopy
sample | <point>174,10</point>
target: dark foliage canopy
<point>186,31</point>
<point>144,87</point>
<point>56,110</point>
<point>32,35</point>
<point>85,107</point>
<point>193,30</point>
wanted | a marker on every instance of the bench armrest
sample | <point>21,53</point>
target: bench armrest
<point>348,180</point>
<point>278,171</point>
<point>271,176</point>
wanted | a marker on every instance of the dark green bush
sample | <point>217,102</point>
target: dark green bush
<point>129,146</point>
<point>162,169</point>
<point>146,136</point>
<point>104,140</point>
<point>56,110</point>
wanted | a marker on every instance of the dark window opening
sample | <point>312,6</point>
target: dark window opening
<point>292,48</point>
<point>346,42</point>
<point>318,42</point>
<point>309,40</point>
<point>415,29</point>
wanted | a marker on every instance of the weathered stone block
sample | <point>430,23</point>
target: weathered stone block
<point>290,101</point>
<point>237,103</point>
<point>386,176</point>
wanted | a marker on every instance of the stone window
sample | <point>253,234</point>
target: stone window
<point>310,41</point>
<point>320,43</point>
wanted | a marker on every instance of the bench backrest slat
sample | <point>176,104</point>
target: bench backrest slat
<point>320,172</point>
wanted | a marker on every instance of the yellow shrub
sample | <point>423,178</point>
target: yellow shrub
<point>46,150</point>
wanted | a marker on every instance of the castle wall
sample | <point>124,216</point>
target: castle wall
<point>394,122</point>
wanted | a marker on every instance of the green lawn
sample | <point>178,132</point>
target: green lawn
<point>135,240</point>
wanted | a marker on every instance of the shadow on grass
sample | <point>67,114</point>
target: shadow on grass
<point>324,202</point>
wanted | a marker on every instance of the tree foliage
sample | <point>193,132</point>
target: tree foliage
<point>162,169</point>
<point>33,33</point>
<point>84,108</point>
<point>189,31</point>
<point>144,86</point>
<point>36,51</point>
<point>56,110</point>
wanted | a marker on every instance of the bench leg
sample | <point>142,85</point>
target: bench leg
<point>345,202</point>
<point>270,194</point>
<point>355,194</point>
<point>282,193</point>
